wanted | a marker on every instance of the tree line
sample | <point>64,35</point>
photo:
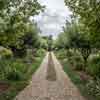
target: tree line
<point>17,31</point>
<point>79,44</point>
<point>82,31</point>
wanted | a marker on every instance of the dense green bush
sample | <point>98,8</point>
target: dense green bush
<point>13,69</point>
<point>5,53</point>
<point>94,66</point>
<point>14,75</point>
<point>75,59</point>
<point>77,62</point>
<point>40,52</point>
<point>61,54</point>
<point>19,69</point>
<point>94,88</point>
<point>69,53</point>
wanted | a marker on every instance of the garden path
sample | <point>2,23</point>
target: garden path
<point>50,82</point>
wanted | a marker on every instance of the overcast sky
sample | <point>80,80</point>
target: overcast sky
<point>53,18</point>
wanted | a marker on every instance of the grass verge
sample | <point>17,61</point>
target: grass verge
<point>76,79</point>
<point>16,86</point>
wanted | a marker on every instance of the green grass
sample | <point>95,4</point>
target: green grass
<point>15,86</point>
<point>88,87</point>
<point>13,90</point>
<point>75,78</point>
<point>81,84</point>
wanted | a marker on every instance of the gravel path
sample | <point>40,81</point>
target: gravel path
<point>41,88</point>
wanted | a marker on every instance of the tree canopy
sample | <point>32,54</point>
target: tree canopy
<point>16,27</point>
<point>88,13</point>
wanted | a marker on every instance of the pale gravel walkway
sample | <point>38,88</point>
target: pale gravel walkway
<point>42,89</point>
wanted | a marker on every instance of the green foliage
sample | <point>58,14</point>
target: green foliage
<point>77,63</point>
<point>74,59</point>
<point>17,30</point>
<point>5,53</point>
<point>94,88</point>
<point>50,43</point>
<point>14,75</point>
<point>17,73</point>
<point>69,56</point>
<point>18,33</point>
<point>61,41</point>
<point>61,54</point>
<point>75,37</point>
<point>31,38</point>
<point>94,66</point>
<point>87,12</point>
<point>88,87</point>
<point>12,69</point>
<point>40,52</point>
<point>69,53</point>
<point>44,42</point>
<point>81,34</point>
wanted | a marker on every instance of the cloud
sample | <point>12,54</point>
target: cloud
<point>53,18</point>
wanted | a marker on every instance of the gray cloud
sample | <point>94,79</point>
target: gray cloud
<point>53,18</point>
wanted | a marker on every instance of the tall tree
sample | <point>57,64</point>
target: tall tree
<point>16,24</point>
<point>15,15</point>
<point>75,37</point>
<point>88,12</point>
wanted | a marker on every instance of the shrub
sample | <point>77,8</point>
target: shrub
<point>94,66</point>
<point>61,54</point>
<point>13,69</point>
<point>77,63</point>
<point>69,54</point>
<point>14,75</point>
<point>79,66</point>
<point>4,67</point>
<point>94,88</point>
<point>40,52</point>
<point>5,53</point>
